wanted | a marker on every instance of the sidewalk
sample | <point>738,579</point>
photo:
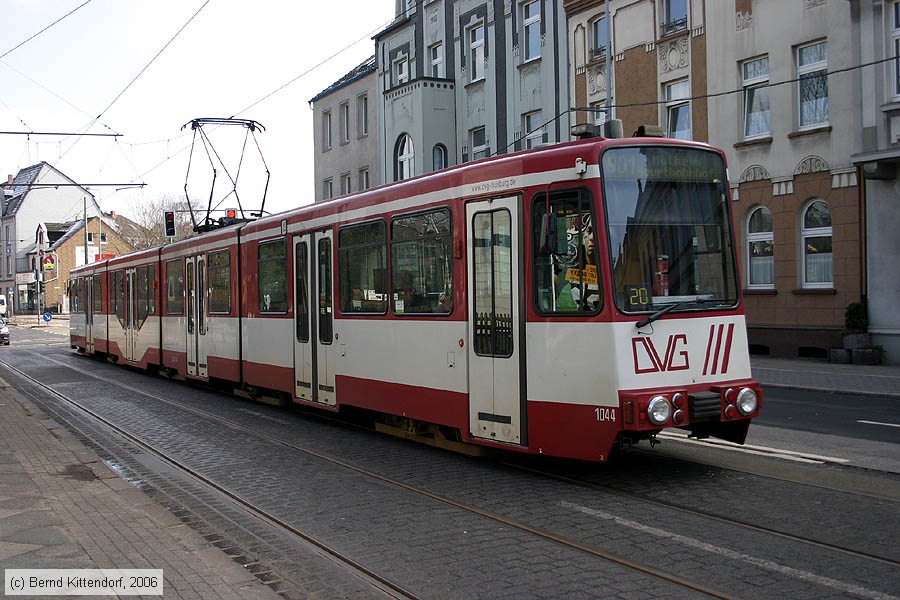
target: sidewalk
<point>62,508</point>
<point>809,374</point>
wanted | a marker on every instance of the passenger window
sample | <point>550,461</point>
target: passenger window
<point>422,263</point>
<point>219,268</point>
<point>566,276</point>
<point>97,294</point>
<point>325,300</point>
<point>273,277</point>
<point>363,268</point>
<point>174,288</point>
<point>302,293</point>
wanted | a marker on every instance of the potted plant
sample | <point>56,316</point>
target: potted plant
<point>857,342</point>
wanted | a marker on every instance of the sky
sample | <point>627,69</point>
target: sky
<point>232,54</point>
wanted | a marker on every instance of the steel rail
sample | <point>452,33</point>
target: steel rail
<point>399,591</point>
<point>516,524</point>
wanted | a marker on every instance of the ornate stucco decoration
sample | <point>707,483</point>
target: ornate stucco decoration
<point>596,80</point>
<point>673,55</point>
<point>754,173</point>
<point>811,164</point>
<point>742,21</point>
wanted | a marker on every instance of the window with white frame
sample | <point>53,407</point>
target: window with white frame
<point>532,129</point>
<point>436,54</point>
<point>364,178</point>
<point>895,45</point>
<point>328,188</point>
<point>531,23</point>
<point>409,6</point>
<point>599,37</point>
<point>345,122</point>
<point>678,110</point>
<point>756,97</point>
<point>599,112</point>
<point>439,157</point>
<point>405,162</point>
<point>478,142</point>
<point>815,235</point>
<point>401,71</point>
<point>812,67</point>
<point>326,130</point>
<point>476,52</point>
<point>675,15</point>
<point>760,249</point>
<point>345,184</point>
<point>362,114</point>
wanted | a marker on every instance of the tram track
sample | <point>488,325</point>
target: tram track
<point>546,535</point>
<point>396,588</point>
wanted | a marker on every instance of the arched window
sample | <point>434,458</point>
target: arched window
<point>760,249</point>
<point>439,157</point>
<point>405,161</point>
<point>815,235</point>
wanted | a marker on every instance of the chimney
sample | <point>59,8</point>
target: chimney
<point>9,180</point>
<point>112,214</point>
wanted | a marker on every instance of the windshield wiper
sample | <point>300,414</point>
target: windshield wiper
<point>646,321</point>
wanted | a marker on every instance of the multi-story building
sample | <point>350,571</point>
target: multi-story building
<point>657,63</point>
<point>39,193</point>
<point>751,77</point>
<point>878,154</point>
<point>347,140</point>
<point>460,80</point>
<point>788,129</point>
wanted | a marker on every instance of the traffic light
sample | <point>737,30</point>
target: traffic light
<point>169,222</point>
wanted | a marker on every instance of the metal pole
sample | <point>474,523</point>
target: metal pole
<point>610,108</point>
<point>84,198</point>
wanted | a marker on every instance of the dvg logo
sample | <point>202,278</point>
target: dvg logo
<point>648,360</point>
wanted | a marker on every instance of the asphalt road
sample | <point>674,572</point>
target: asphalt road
<point>846,415</point>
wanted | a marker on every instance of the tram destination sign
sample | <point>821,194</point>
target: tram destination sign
<point>662,163</point>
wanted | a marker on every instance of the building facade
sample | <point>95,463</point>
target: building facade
<point>465,79</point>
<point>788,131</point>
<point>39,193</point>
<point>68,249</point>
<point>877,38</point>
<point>658,49</point>
<point>347,140</point>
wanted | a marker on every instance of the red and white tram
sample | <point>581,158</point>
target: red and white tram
<point>557,301</point>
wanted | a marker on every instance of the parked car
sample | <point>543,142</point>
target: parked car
<point>4,332</point>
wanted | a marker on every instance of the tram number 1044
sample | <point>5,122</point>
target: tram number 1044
<point>605,414</point>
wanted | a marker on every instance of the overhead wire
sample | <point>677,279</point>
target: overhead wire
<point>22,43</point>
<point>54,94</point>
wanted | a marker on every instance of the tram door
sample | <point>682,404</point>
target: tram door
<point>130,312</point>
<point>495,345</point>
<point>88,283</point>
<point>314,355</point>
<point>197,290</point>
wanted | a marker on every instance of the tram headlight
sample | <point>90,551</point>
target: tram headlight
<point>746,401</point>
<point>659,410</point>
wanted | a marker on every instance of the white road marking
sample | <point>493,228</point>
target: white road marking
<point>877,423</point>
<point>769,565</point>
<point>802,457</point>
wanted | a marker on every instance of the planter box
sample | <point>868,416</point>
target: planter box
<point>857,341</point>
<point>866,356</point>
<point>840,356</point>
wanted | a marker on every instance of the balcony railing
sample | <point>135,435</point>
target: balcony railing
<point>673,26</point>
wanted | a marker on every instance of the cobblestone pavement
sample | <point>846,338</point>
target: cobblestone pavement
<point>442,552</point>
<point>60,507</point>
